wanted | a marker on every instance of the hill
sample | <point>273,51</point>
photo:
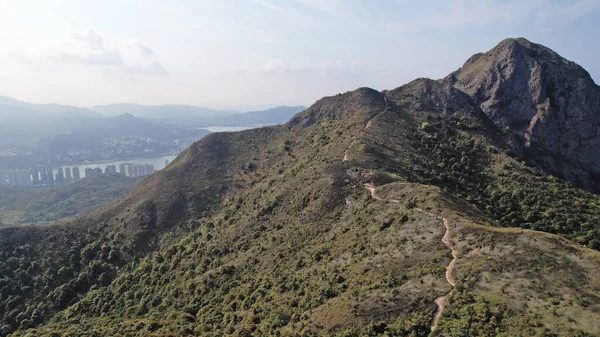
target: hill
<point>407,212</point>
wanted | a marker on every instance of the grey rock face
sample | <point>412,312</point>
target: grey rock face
<point>551,104</point>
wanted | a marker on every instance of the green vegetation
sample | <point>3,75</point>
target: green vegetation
<point>268,232</point>
<point>510,192</point>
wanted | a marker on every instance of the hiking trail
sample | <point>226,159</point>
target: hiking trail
<point>450,277</point>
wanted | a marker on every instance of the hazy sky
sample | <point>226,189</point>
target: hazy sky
<point>259,53</point>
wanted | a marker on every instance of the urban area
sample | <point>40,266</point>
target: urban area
<point>49,176</point>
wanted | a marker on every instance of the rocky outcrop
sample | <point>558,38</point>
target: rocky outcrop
<point>550,104</point>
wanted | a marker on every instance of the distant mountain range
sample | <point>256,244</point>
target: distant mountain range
<point>186,115</point>
<point>28,122</point>
<point>7,105</point>
<point>162,112</point>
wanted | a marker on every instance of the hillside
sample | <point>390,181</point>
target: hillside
<point>407,212</point>
<point>34,205</point>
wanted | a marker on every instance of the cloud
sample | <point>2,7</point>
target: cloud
<point>273,66</point>
<point>337,67</point>
<point>85,49</point>
<point>140,60</point>
<point>142,48</point>
<point>153,68</point>
<point>89,50</point>
<point>91,37</point>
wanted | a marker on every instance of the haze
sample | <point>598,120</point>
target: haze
<point>263,53</point>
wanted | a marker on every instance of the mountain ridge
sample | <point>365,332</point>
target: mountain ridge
<point>295,230</point>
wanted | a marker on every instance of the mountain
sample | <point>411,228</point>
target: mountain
<point>184,115</point>
<point>277,115</point>
<point>408,212</point>
<point>550,104</point>
<point>44,110</point>
<point>162,112</point>
<point>127,125</point>
<point>24,122</point>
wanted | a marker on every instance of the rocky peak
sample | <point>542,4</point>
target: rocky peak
<point>551,104</point>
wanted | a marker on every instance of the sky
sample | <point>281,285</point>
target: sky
<point>247,54</point>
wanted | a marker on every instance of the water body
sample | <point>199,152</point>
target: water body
<point>158,162</point>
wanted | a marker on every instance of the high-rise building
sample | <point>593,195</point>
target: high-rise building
<point>76,174</point>
<point>122,169</point>
<point>27,177</point>
<point>130,170</point>
<point>50,176</point>
<point>110,169</point>
<point>97,171</point>
<point>59,177</point>
<point>3,181</point>
<point>18,177</point>
<point>68,176</point>
<point>35,178</point>
<point>43,175</point>
<point>11,178</point>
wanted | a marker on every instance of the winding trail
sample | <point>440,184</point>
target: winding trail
<point>450,277</point>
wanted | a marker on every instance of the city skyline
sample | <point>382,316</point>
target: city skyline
<point>62,176</point>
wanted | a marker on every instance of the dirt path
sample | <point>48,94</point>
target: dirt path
<point>371,189</point>
<point>346,158</point>
<point>450,277</point>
